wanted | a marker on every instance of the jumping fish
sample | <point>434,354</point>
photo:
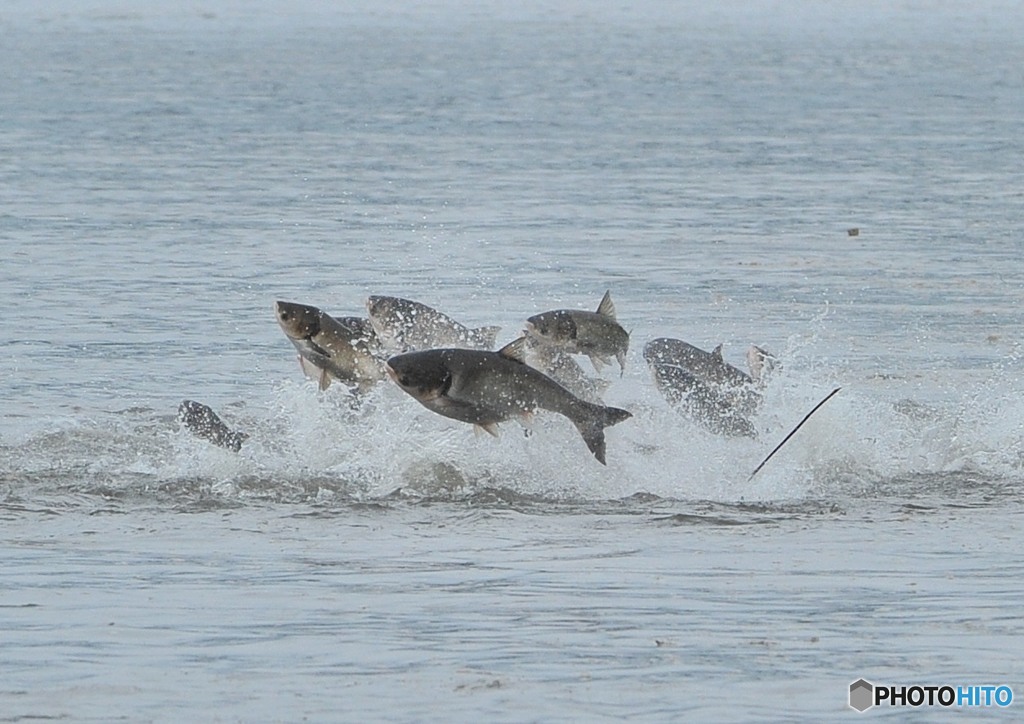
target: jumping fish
<point>485,388</point>
<point>204,423</point>
<point>403,325</point>
<point>706,387</point>
<point>595,334</point>
<point>342,349</point>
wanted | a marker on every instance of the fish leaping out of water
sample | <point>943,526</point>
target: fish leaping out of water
<point>486,388</point>
<point>708,389</point>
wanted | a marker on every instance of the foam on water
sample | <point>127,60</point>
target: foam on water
<point>322,447</point>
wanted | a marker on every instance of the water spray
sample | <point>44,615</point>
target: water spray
<point>793,432</point>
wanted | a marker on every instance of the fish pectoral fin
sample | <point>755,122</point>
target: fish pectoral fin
<point>599,361</point>
<point>309,369</point>
<point>316,373</point>
<point>491,428</point>
<point>317,349</point>
<point>607,306</point>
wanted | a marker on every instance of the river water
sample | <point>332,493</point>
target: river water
<point>168,172</point>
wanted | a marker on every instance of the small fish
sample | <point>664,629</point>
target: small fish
<point>403,325</point>
<point>595,334</point>
<point>342,349</point>
<point>710,390</point>
<point>485,388</point>
<point>204,423</point>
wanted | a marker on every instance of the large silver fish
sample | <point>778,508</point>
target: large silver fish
<point>705,386</point>
<point>485,388</point>
<point>403,325</point>
<point>342,349</point>
<point>595,334</point>
<point>203,422</point>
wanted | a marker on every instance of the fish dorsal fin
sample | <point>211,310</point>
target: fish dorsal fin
<point>607,306</point>
<point>515,350</point>
<point>717,353</point>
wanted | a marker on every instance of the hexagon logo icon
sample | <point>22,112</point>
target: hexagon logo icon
<point>862,695</point>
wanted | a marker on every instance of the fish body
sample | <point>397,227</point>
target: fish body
<point>403,325</point>
<point>574,331</point>
<point>485,388</point>
<point>204,423</point>
<point>566,371</point>
<point>705,386</point>
<point>343,349</point>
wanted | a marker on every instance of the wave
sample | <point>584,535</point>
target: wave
<point>875,443</point>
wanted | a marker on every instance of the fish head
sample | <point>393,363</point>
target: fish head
<point>377,305</point>
<point>424,375</point>
<point>675,352</point>
<point>298,321</point>
<point>665,350</point>
<point>551,327</point>
<point>391,318</point>
<point>382,308</point>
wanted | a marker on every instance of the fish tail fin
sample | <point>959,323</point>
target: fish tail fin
<point>592,424</point>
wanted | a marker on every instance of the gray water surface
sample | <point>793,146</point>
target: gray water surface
<point>167,173</point>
